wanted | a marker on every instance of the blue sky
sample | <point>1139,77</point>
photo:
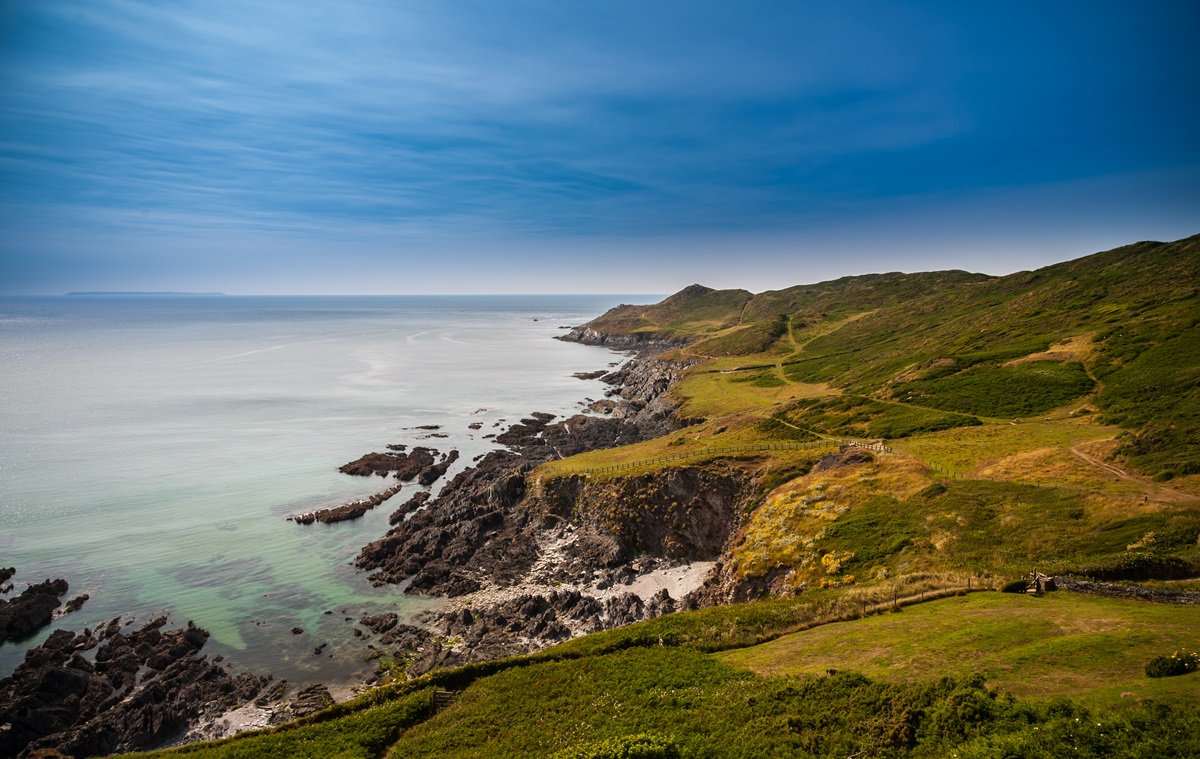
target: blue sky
<point>529,146</point>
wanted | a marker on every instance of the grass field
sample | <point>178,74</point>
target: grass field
<point>1084,647</point>
<point>962,449</point>
<point>1098,359</point>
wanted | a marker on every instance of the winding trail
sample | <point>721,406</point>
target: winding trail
<point>1150,489</point>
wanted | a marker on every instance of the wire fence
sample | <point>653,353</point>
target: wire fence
<point>715,452</point>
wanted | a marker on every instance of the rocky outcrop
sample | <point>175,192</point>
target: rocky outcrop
<point>76,603</point>
<point>724,585</point>
<point>351,510</point>
<point>309,701</point>
<point>433,473</point>
<point>138,691</point>
<point>655,342</point>
<point>521,624</point>
<point>419,464</point>
<point>30,611</point>
<point>686,513</point>
<point>474,533</point>
<point>412,504</point>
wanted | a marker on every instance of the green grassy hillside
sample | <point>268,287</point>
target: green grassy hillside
<point>1118,329</point>
<point>652,690</point>
<point>1046,419</point>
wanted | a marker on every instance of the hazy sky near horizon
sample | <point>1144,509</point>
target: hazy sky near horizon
<point>453,146</point>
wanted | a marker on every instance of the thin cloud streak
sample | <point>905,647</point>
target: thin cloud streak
<point>447,125</point>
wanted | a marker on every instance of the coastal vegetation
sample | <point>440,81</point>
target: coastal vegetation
<point>695,684</point>
<point>1045,420</point>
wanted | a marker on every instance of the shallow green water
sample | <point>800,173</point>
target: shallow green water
<point>151,449</point>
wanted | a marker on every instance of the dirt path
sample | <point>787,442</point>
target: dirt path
<point>1152,490</point>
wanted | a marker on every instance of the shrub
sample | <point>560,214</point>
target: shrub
<point>1178,663</point>
<point>1001,391</point>
<point>1015,586</point>
<point>625,747</point>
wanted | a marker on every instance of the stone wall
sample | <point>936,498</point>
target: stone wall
<point>1112,590</point>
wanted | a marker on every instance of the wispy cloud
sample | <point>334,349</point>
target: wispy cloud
<point>550,120</point>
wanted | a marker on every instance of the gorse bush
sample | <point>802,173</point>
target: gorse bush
<point>1178,663</point>
<point>1015,586</point>
<point>625,747</point>
<point>1001,391</point>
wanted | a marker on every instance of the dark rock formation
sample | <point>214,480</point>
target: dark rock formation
<point>383,463</point>
<point>412,504</point>
<point>474,531</point>
<point>420,465</point>
<point>433,473</point>
<point>521,624</point>
<point>413,465</point>
<point>604,406</point>
<point>379,623</point>
<point>6,574</point>
<point>679,514</point>
<point>352,510</point>
<point>639,341</point>
<point>140,690</point>
<point>30,611</point>
<point>76,603</point>
<point>590,375</point>
<point>310,700</point>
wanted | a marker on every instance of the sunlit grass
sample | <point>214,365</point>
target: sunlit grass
<point>1086,647</point>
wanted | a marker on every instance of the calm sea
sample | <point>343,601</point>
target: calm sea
<point>151,448</point>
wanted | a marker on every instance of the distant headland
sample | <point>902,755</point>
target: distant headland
<point>142,294</point>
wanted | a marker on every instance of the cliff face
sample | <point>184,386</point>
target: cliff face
<point>473,534</point>
<point>675,514</point>
<point>639,341</point>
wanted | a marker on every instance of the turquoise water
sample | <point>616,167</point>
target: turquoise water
<point>152,448</point>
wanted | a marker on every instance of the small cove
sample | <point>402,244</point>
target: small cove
<point>153,447</point>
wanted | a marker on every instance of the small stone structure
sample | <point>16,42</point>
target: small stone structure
<point>1114,590</point>
<point>1040,583</point>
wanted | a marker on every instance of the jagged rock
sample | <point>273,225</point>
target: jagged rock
<point>412,504</point>
<point>32,610</point>
<point>380,623</point>
<point>142,689</point>
<point>76,603</point>
<point>347,511</point>
<point>474,530</point>
<point>6,573</point>
<point>311,700</point>
<point>431,474</point>
<point>406,465</point>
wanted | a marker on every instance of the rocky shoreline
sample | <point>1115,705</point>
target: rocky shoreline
<point>526,564</point>
<point>522,564</point>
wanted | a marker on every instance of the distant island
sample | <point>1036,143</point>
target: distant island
<point>144,294</point>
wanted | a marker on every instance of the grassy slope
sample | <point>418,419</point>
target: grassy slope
<point>1063,644</point>
<point>939,364</point>
<point>655,678</point>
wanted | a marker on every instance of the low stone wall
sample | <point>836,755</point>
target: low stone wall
<point>1112,590</point>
